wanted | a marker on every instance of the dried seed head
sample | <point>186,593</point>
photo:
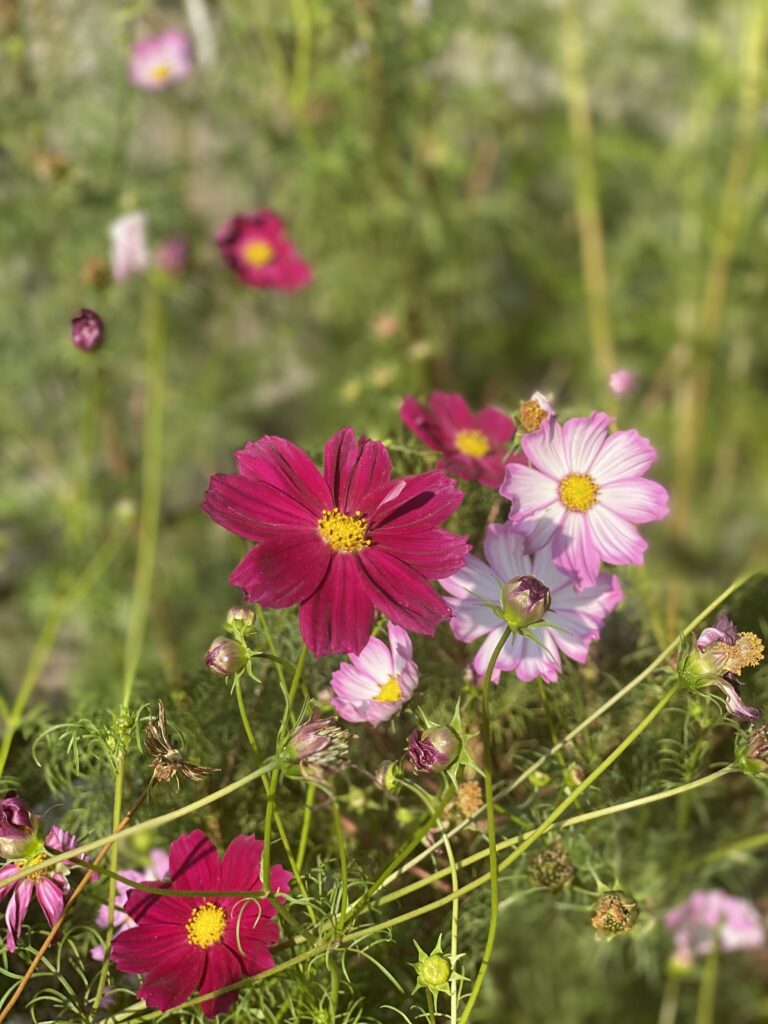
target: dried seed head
<point>551,868</point>
<point>615,914</point>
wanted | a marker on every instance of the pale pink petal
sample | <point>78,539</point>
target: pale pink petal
<point>545,450</point>
<point>503,548</point>
<point>638,500</point>
<point>625,454</point>
<point>583,440</point>
<point>528,490</point>
<point>574,549</point>
<point>616,540</point>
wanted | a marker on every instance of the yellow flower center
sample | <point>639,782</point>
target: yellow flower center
<point>206,925</point>
<point>160,72</point>
<point>343,532</point>
<point>747,652</point>
<point>258,253</point>
<point>578,492</point>
<point>473,443</point>
<point>389,691</point>
<point>531,415</point>
<point>36,875</point>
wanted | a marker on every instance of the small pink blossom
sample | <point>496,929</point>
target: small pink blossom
<point>576,616</point>
<point>713,918</point>
<point>156,872</point>
<point>257,249</point>
<point>128,249</point>
<point>622,382</point>
<point>474,445</point>
<point>87,330</point>
<point>582,494</point>
<point>171,255</point>
<point>375,684</point>
<point>160,61</point>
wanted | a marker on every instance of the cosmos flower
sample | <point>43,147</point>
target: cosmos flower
<point>576,616</point>
<point>49,886</point>
<point>375,684</point>
<point>87,330</point>
<point>254,245</point>
<point>473,444</point>
<point>184,943</point>
<point>128,250</point>
<point>160,61</point>
<point>156,872</point>
<point>582,494</point>
<point>340,544</point>
<point>622,382</point>
<point>713,918</point>
<point>720,655</point>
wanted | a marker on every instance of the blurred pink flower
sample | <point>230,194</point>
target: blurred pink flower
<point>171,254</point>
<point>582,494</point>
<point>87,330</point>
<point>160,61</point>
<point>713,918</point>
<point>375,684</point>
<point>156,872</point>
<point>128,250</point>
<point>254,245</point>
<point>576,616</point>
<point>474,445</point>
<point>622,382</point>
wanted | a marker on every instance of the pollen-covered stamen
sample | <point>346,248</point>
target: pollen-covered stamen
<point>747,652</point>
<point>531,415</point>
<point>578,492</point>
<point>36,875</point>
<point>472,442</point>
<point>389,691</point>
<point>343,532</point>
<point>206,925</point>
<point>258,253</point>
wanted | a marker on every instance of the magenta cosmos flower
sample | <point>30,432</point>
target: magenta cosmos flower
<point>576,616</point>
<point>582,493</point>
<point>341,543</point>
<point>254,245</point>
<point>49,886</point>
<point>160,61</point>
<point>473,444</point>
<point>374,684</point>
<point>713,918</point>
<point>183,943</point>
<point>156,872</point>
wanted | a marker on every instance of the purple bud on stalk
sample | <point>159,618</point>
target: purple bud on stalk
<point>432,750</point>
<point>524,601</point>
<point>320,746</point>
<point>226,656</point>
<point>16,825</point>
<point>87,330</point>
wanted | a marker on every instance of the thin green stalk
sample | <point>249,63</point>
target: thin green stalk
<point>670,1000</point>
<point>342,848</point>
<point>306,820</point>
<point>706,1004</point>
<point>454,984</point>
<point>301,12</point>
<point>493,862</point>
<point>46,638</point>
<point>271,647</point>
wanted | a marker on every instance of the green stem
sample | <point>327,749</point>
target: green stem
<point>305,823</point>
<point>454,986</point>
<point>342,848</point>
<point>493,862</point>
<point>706,1004</point>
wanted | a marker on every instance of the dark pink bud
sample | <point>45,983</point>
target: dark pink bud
<point>524,601</point>
<point>226,656</point>
<point>15,825</point>
<point>433,750</point>
<point>87,330</point>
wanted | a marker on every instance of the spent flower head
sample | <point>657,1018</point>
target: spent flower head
<point>716,660</point>
<point>551,868</point>
<point>615,914</point>
<point>320,747</point>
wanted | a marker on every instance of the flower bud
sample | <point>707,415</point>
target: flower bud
<point>433,970</point>
<point>433,750</point>
<point>387,775</point>
<point>753,756</point>
<point>551,868</point>
<point>615,914</point>
<point>87,330</point>
<point>320,746</point>
<point>16,825</point>
<point>226,656</point>
<point>524,601</point>
<point>238,614</point>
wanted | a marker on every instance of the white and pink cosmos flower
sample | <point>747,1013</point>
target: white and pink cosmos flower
<point>374,684</point>
<point>582,494</point>
<point>713,919</point>
<point>576,616</point>
<point>160,61</point>
<point>128,247</point>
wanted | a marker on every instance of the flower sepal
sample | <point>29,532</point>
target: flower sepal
<point>435,970</point>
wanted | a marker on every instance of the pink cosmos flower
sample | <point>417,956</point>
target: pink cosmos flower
<point>721,654</point>
<point>582,493</point>
<point>254,245</point>
<point>128,250</point>
<point>183,943</point>
<point>622,382</point>
<point>473,444</point>
<point>160,61</point>
<point>576,616</point>
<point>712,918</point>
<point>171,255</point>
<point>49,886</point>
<point>341,543</point>
<point>156,872</point>
<point>375,684</point>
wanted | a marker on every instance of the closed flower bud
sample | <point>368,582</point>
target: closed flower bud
<point>320,747</point>
<point>87,330</point>
<point>433,970</point>
<point>387,776</point>
<point>754,755</point>
<point>238,614</point>
<point>226,656</point>
<point>433,750</point>
<point>524,601</point>
<point>16,825</point>
<point>615,914</point>
<point>551,869</point>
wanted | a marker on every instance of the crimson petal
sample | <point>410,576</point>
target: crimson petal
<point>353,468</point>
<point>401,593</point>
<point>338,617</point>
<point>279,573</point>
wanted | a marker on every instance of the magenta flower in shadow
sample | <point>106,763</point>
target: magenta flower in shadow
<point>375,684</point>
<point>342,543</point>
<point>160,61</point>
<point>473,444</point>
<point>256,248</point>
<point>713,919</point>
<point>48,886</point>
<point>582,493</point>
<point>186,943</point>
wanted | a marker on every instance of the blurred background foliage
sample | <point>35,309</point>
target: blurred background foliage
<point>495,197</point>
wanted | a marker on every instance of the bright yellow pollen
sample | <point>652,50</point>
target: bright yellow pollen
<point>747,652</point>
<point>389,691</point>
<point>531,415</point>
<point>258,253</point>
<point>343,532</point>
<point>473,443</point>
<point>160,72</point>
<point>578,492</point>
<point>206,925</point>
<point>36,875</point>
